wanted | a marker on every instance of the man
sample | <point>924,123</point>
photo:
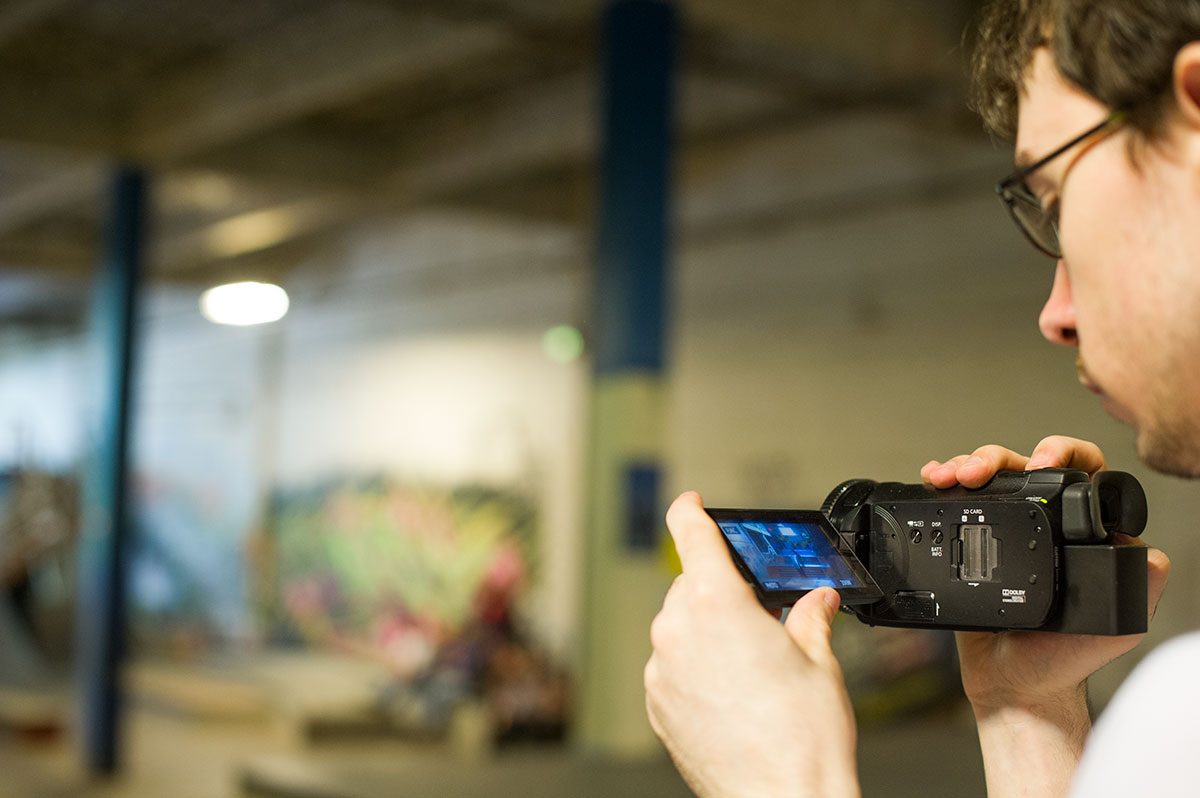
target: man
<point>1103,97</point>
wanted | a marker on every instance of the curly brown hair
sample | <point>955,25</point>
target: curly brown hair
<point>1118,51</point>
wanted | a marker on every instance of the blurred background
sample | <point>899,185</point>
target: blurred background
<point>547,263</point>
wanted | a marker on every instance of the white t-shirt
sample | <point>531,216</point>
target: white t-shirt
<point>1147,741</point>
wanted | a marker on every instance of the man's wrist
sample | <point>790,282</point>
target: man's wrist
<point>1066,704</point>
<point>1032,746</point>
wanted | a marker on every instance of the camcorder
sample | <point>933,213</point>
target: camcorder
<point>1029,550</point>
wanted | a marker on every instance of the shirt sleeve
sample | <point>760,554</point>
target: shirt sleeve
<point>1147,742</point>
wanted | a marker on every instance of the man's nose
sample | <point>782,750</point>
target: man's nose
<point>1057,320</point>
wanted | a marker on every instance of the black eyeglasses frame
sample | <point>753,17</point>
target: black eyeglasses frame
<point>1012,189</point>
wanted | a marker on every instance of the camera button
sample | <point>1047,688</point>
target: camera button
<point>915,605</point>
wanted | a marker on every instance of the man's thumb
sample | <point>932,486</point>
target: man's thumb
<point>810,622</point>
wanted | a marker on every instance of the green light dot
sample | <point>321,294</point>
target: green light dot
<point>562,343</point>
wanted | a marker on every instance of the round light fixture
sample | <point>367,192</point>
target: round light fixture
<point>563,343</point>
<point>244,303</point>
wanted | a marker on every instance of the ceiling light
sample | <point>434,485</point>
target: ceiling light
<point>563,343</point>
<point>244,303</point>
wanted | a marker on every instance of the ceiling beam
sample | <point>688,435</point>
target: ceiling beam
<point>61,258</point>
<point>254,231</point>
<point>443,155</point>
<point>38,198</point>
<point>296,158</point>
<point>328,58</point>
<point>512,147</point>
<point>529,130</point>
<point>550,122</point>
<point>17,16</point>
<point>56,113</point>
<point>344,156</point>
<point>272,265</point>
<point>919,38</point>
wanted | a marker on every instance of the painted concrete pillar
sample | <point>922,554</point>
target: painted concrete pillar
<point>624,577</point>
<point>105,531</point>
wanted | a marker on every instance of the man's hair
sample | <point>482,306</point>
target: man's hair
<point>1121,52</point>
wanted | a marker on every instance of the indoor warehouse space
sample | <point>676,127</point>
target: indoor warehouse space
<point>519,272</point>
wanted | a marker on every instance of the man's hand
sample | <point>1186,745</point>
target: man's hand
<point>745,705</point>
<point>1028,689</point>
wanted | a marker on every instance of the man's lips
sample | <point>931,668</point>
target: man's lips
<point>1111,406</point>
<point>1084,379</point>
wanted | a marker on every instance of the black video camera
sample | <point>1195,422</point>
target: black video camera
<point>1029,550</point>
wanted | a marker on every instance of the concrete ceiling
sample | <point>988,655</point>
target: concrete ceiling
<point>269,126</point>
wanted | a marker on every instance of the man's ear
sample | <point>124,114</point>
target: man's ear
<point>1186,83</point>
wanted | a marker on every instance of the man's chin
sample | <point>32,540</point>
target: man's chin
<point>1168,453</point>
<point>1111,406</point>
<point>1117,411</point>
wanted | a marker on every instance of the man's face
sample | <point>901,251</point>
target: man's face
<point>1127,291</point>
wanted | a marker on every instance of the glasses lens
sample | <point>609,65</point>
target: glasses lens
<point>1036,223</point>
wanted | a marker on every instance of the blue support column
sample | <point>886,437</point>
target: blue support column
<point>105,525</point>
<point>632,245</point>
<point>623,573</point>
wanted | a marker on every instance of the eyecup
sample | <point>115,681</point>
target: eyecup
<point>1120,502</point>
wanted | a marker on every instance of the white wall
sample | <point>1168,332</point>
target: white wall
<point>41,408</point>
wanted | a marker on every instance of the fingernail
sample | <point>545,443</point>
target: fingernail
<point>832,598</point>
<point>973,462</point>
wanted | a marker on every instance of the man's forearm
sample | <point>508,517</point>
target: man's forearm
<point>1033,751</point>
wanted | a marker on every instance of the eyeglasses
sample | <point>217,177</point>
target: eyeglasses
<point>1039,224</point>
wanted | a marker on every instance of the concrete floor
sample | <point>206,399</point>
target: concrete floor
<point>245,730</point>
<point>171,755</point>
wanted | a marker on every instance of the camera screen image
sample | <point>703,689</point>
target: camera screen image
<point>789,555</point>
